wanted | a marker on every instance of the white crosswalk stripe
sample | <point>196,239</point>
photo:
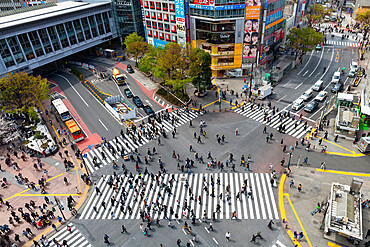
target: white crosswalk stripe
<point>293,127</point>
<point>73,238</point>
<point>340,43</point>
<point>185,189</point>
<point>278,244</point>
<point>127,143</point>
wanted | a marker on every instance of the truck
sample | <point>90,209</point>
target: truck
<point>364,145</point>
<point>118,78</point>
<point>262,92</point>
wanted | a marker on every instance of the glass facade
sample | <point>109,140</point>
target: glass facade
<point>128,17</point>
<point>27,46</point>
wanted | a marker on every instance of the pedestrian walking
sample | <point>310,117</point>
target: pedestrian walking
<point>259,235</point>
<point>54,227</point>
<point>106,239</point>
<point>291,183</point>
<point>253,238</point>
<point>299,187</point>
<point>323,166</point>
<point>234,215</point>
<point>227,236</point>
<point>69,229</point>
<point>178,242</point>
<point>65,181</point>
<point>124,230</point>
<point>270,224</point>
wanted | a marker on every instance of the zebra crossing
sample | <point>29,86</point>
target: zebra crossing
<point>293,127</point>
<point>261,205</point>
<point>73,238</point>
<point>278,244</point>
<point>127,144</point>
<point>342,43</point>
<point>161,102</point>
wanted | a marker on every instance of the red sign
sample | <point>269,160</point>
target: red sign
<point>204,2</point>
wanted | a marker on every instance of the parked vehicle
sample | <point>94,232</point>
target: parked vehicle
<point>297,104</point>
<point>138,102</point>
<point>321,96</point>
<point>318,85</point>
<point>310,107</point>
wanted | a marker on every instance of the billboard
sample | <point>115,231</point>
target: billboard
<point>205,2</point>
<point>180,21</point>
<point>251,30</point>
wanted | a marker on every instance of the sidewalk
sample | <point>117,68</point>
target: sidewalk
<point>315,189</point>
<point>53,170</point>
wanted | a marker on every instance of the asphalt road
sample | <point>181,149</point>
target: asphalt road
<point>92,112</point>
<point>304,76</point>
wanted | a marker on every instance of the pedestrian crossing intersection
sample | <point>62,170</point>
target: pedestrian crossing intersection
<point>185,189</point>
<point>293,126</point>
<point>278,244</point>
<point>342,43</point>
<point>73,238</point>
<point>127,143</point>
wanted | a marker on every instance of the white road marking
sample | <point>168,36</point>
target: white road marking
<point>215,240</point>
<point>191,242</point>
<point>281,98</point>
<point>305,64</point>
<point>206,229</point>
<point>317,65</point>
<point>331,60</point>
<point>73,88</point>
<point>305,73</point>
<point>285,85</point>
<point>298,85</point>
<point>103,124</point>
<point>184,231</point>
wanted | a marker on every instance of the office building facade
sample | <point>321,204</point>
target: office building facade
<point>37,37</point>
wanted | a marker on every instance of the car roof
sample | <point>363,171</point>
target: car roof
<point>299,100</point>
<point>319,81</point>
<point>309,90</point>
<point>336,73</point>
<point>323,92</point>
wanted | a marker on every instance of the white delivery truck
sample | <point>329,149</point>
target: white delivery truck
<point>364,145</point>
<point>262,92</point>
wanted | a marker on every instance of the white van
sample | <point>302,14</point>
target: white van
<point>307,95</point>
<point>354,66</point>
<point>297,104</point>
<point>318,85</point>
<point>336,77</point>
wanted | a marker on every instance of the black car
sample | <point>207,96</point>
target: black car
<point>148,110</point>
<point>138,102</point>
<point>310,107</point>
<point>337,87</point>
<point>128,93</point>
<point>130,69</point>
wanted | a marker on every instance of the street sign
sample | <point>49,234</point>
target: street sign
<point>85,156</point>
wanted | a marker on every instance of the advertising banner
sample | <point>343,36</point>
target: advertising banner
<point>251,28</point>
<point>180,21</point>
<point>205,2</point>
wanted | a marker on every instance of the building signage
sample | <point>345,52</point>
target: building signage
<point>180,22</point>
<point>205,2</point>
<point>251,28</point>
<point>180,9</point>
<point>209,7</point>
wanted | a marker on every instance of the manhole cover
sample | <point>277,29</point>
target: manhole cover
<point>315,222</point>
<point>312,171</point>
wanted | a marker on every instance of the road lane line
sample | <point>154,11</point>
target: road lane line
<point>73,88</point>
<point>305,73</point>
<point>305,64</point>
<point>287,83</point>
<point>215,241</point>
<point>327,69</point>
<point>281,98</point>
<point>103,124</point>
<point>317,65</point>
<point>298,85</point>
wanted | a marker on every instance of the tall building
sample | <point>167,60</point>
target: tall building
<point>128,15</point>
<point>164,21</point>
<point>6,5</point>
<point>238,34</point>
<point>46,33</point>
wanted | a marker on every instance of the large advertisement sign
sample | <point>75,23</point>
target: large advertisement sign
<point>251,27</point>
<point>180,21</point>
<point>204,2</point>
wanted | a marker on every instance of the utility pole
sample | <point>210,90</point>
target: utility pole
<point>60,206</point>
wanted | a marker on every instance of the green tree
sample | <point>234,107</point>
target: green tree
<point>364,19</point>
<point>304,40</point>
<point>199,68</point>
<point>137,48</point>
<point>133,38</point>
<point>21,92</point>
<point>149,61</point>
<point>316,13</point>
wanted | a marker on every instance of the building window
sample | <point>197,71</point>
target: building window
<point>86,28</point>
<point>77,25</point>
<point>71,33</point>
<point>155,34</point>
<point>16,49</point>
<point>26,45</point>
<point>153,15</point>
<point>164,6</point>
<point>167,27</point>
<point>45,40</point>
<point>150,33</point>
<point>93,26</point>
<point>106,23</point>
<point>172,7</point>
<point>173,28</point>
<point>165,18</point>
<point>147,14</point>
<point>146,4</point>
<point>160,26</point>
<point>151,5</point>
<point>54,38</point>
<point>5,54</point>
<point>35,41</point>
<point>159,16</point>
<point>99,21</point>
<point>173,19</point>
<point>154,24</point>
<point>158,5</point>
<point>62,35</point>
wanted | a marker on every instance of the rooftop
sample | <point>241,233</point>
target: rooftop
<point>43,13</point>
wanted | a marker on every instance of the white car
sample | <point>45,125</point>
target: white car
<point>307,95</point>
<point>354,66</point>
<point>298,104</point>
<point>336,77</point>
<point>321,96</point>
<point>352,73</point>
<point>318,85</point>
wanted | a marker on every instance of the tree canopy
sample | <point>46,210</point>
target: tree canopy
<point>316,13</point>
<point>21,92</point>
<point>138,48</point>
<point>304,40</point>
<point>133,38</point>
<point>364,19</point>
